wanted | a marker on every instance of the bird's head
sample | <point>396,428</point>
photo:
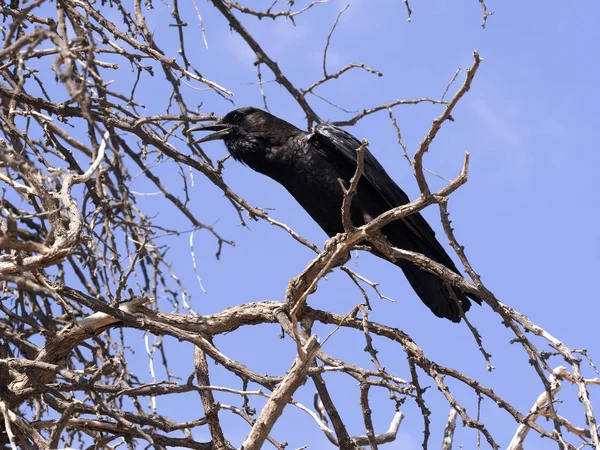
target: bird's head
<point>237,124</point>
<point>248,132</point>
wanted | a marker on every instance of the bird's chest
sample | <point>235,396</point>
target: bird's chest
<point>309,176</point>
<point>314,182</point>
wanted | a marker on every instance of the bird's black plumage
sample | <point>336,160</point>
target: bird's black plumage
<point>309,165</point>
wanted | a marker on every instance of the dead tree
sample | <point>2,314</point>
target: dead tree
<point>83,269</point>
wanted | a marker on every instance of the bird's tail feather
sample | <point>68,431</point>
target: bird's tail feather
<point>434,292</point>
<point>438,295</point>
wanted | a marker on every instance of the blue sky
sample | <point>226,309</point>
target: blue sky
<point>528,216</point>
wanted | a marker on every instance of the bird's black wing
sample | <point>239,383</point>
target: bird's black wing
<point>340,146</point>
<point>412,233</point>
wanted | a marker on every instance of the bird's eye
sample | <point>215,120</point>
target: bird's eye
<point>235,116</point>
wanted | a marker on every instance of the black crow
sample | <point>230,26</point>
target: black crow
<point>309,165</point>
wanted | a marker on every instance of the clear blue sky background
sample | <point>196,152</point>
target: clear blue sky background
<point>528,215</point>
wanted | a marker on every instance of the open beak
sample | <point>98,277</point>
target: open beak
<point>221,131</point>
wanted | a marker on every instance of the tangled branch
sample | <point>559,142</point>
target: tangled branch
<point>86,267</point>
